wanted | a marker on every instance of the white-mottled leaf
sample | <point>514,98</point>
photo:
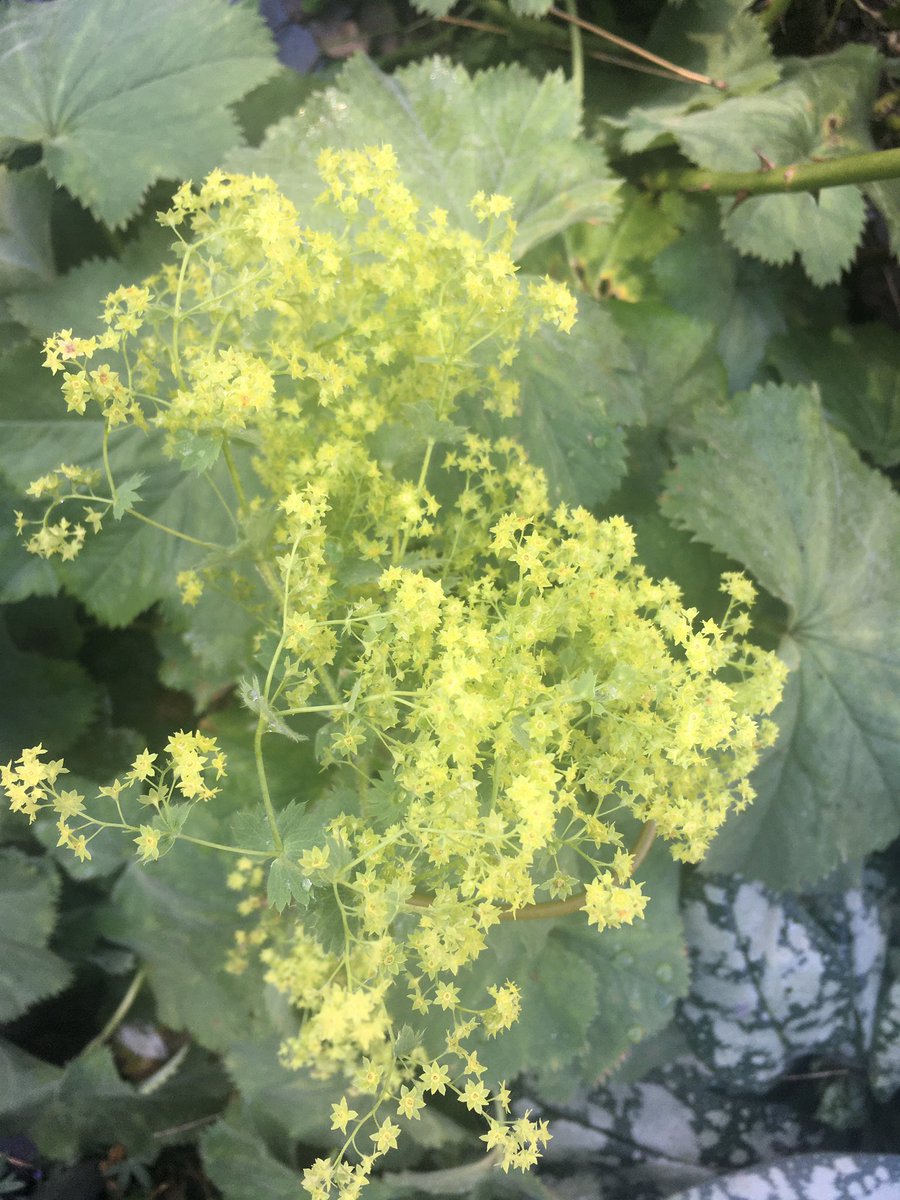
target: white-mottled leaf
<point>671,1129</point>
<point>809,1177</point>
<point>777,978</point>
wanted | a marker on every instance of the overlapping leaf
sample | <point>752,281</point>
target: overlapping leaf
<point>75,1109</point>
<point>579,393</point>
<point>820,110</point>
<point>130,565</point>
<point>117,101</point>
<point>856,368</point>
<point>779,491</point>
<point>28,970</point>
<point>41,699</point>
<point>671,1129</point>
<point>777,978</point>
<point>587,997</point>
<point>454,135</point>
<point>179,918</point>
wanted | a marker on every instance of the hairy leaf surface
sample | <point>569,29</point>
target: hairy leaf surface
<point>29,972</point>
<point>454,135</point>
<point>779,491</point>
<point>115,103</point>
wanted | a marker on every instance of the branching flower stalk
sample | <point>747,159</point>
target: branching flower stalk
<point>503,696</point>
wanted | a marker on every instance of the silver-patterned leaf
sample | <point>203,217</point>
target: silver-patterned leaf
<point>809,1177</point>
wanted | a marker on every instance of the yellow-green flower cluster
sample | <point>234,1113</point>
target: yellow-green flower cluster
<point>504,695</point>
<point>30,784</point>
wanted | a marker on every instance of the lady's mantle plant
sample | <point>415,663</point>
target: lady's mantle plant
<point>506,707</point>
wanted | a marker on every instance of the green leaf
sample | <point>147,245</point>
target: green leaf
<point>776,489</point>
<point>239,1164</point>
<point>747,301</point>
<point>824,230</point>
<point>454,135</point>
<point>286,883</point>
<point>856,368</point>
<point>284,1105</point>
<point>640,971</point>
<point>76,299</point>
<point>820,110</point>
<point>127,494</point>
<point>86,1105</point>
<point>179,917</point>
<point>41,699</point>
<point>718,38</point>
<point>777,978</point>
<point>26,255</point>
<point>116,104</point>
<point>578,393</point>
<point>677,362</point>
<point>129,565</point>
<point>29,972</point>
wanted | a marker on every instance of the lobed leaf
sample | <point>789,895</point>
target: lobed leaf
<point>776,489</point>
<point>454,135</point>
<point>116,103</point>
<point>29,972</point>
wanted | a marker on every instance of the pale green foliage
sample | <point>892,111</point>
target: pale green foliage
<point>454,134</point>
<point>113,101</point>
<point>783,494</point>
<point>29,971</point>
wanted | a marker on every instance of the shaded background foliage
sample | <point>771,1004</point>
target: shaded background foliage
<point>731,387</point>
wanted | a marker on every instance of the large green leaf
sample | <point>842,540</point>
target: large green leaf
<point>26,256</point>
<point>856,368</point>
<point>86,1105</point>
<point>579,391</point>
<point>179,917</point>
<point>41,699</point>
<point>587,998</point>
<point>29,972</point>
<point>238,1162</point>
<point>820,110</point>
<point>747,301</point>
<point>716,38</point>
<point>119,95</point>
<point>782,493</point>
<point>454,135</point>
<point>76,299</point>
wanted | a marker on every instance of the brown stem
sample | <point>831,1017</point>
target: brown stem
<point>632,48</point>
<point>548,910</point>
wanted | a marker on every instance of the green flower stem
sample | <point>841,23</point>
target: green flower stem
<point>575,41</point>
<point>772,15</point>
<point>176,533</point>
<point>119,1015</point>
<point>802,177</point>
